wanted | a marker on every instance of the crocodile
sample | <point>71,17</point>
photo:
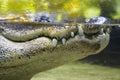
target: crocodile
<point>27,48</point>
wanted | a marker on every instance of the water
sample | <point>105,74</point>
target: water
<point>69,9</point>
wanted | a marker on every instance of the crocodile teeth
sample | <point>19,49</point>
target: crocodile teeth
<point>108,30</point>
<point>101,31</point>
<point>63,40</point>
<point>103,34</point>
<point>72,34</point>
<point>80,30</point>
<point>54,41</point>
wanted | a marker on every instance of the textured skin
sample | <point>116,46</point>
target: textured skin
<point>22,58</point>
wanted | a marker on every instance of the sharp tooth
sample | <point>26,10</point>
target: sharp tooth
<point>66,26</point>
<point>63,40</point>
<point>101,31</point>
<point>54,41</point>
<point>80,30</point>
<point>103,34</point>
<point>108,30</point>
<point>72,34</point>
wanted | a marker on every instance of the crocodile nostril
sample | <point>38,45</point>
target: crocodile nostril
<point>91,28</point>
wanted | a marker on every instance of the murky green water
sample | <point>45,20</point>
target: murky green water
<point>71,8</point>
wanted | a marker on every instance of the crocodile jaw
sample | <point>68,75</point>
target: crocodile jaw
<point>28,58</point>
<point>37,61</point>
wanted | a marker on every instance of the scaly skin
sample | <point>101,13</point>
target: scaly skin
<point>28,48</point>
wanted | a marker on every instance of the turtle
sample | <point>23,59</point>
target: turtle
<point>27,48</point>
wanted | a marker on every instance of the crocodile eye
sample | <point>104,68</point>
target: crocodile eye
<point>43,17</point>
<point>98,20</point>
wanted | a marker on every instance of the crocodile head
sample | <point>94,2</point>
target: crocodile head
<point>27,48</point>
